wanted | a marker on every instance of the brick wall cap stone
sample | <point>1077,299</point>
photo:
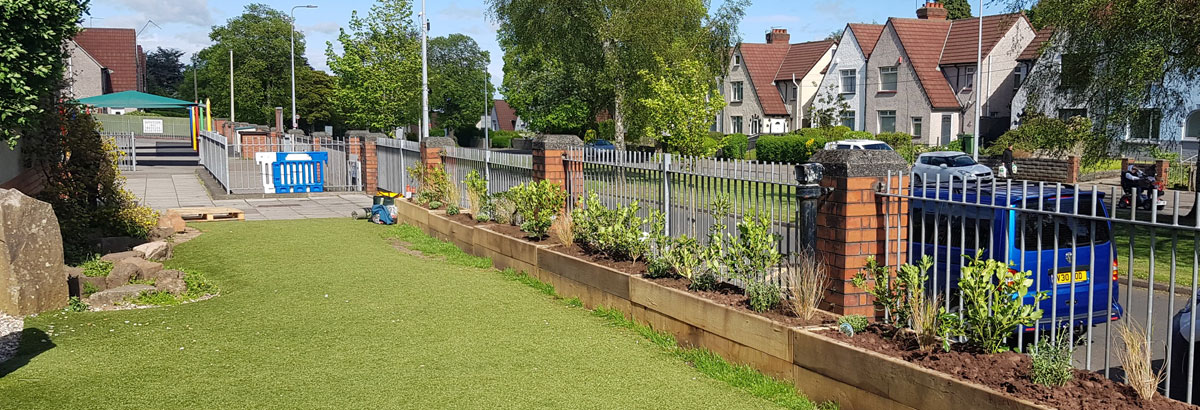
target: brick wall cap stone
<point>556,142</point>
<point>860,163</point>
<point>438,142</point>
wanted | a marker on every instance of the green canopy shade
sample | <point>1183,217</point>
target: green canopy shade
<point>133,99</point>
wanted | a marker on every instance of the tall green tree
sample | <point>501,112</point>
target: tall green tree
<point>957,9</point>
<point>457,77</point>
<point>32,35</point>
<point>379,72</point>
<point>612,40</point>
<point>260,40</point>
<point>678,105</point>
<point>164,72</point>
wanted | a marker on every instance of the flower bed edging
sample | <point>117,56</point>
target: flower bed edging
<point>890,378</point>
<point>413,214</point>
<point>439,225</point>
<point>594,284</point>
<point>505,251</point>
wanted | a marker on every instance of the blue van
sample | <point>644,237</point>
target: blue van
<point>1072,258</point>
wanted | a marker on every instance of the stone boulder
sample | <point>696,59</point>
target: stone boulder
<point>117,294</point>
<point>31,256</point>
<point>146,269</point>
<point>167,274</point>
<point>122,272</point>
<point>158,250</point>
<point>172,220</point>
<point>120,256</point>
<point>100,284</point>
<point>173,286</point>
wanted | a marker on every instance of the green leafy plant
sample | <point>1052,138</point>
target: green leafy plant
<point>434,184</point>
<point>763,296</point>
<point>75,305</point>
<point>504,208</point>
<point>477,194</point>
<point>894,296</point>
<point>451,209</point>
<point>993,302</point>
<point>616,233</point>
<point>482,218</point>
<point>537,203</point>
<point>95,267</point>
<point>749,256</point>
<point>155,298</point>
<point>1052,362</point>
<point>197,285</point>
<point>856,323</point>
<point>435,204</point>
<point>89,289</point>
<point>734,146</point>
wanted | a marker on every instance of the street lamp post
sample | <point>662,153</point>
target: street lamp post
<point>424,74</point>
<point>293,21</point>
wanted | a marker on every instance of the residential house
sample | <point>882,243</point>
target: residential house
<point>116,50</point>
<point>85,76</point>
<point>1172,117</point>
<point>845,79</point>
<point>769,87</point>
<point>504,118</point>
<point>922,74</point>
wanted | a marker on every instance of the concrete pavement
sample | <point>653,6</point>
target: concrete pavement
<point>165,187</point>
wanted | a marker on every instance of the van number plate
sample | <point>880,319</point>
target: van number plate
<point>1065,277</point>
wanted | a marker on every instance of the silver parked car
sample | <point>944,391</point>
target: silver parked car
<point>947,166</point>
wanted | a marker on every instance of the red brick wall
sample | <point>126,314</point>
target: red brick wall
<point>370,167</point>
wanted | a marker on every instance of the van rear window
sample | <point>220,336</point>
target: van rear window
<point>1039,229</point>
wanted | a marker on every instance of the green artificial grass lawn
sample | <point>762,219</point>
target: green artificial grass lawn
<point>328,314</point>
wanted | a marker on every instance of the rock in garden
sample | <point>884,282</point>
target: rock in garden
<point>113,244</point>
<point>117,294</point>
<point>167,274</point>
<point>120,256</point>
<point>146,269</point>
<point>155,250</point>
<point>73,272</point>
<point>99,283</point>
<point>172,220</point>
<point>173,286</point>
<point>31,256</point>
<point>131,268</point>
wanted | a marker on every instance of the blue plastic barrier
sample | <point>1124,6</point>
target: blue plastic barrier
<point>299,171</point>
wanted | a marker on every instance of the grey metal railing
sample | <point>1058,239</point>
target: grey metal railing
<point>1084,247</point>
<point>394,157</point>
<point>127,146</point>
<point>214,158</point>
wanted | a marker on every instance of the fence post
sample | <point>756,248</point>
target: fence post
<point>487,168</point>
<point>432,148</point>
<point>1072,169</point>
<point>807,196</point>
<point>548,163</point>
<point>666,193</point>
<point>851,225</point>
<point>133,149</point>
<point>370,163</point>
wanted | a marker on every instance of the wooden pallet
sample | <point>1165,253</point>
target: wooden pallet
<point>210,214</point>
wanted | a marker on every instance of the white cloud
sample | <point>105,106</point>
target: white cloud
<point>192,12</point>
<point>327,27</point>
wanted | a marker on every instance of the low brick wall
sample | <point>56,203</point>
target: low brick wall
<point>1040,169</point>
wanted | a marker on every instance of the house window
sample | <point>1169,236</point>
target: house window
<point>1146,124</point>
<point>970,73</point>
<point>887,121</point>
<point>887,78</point>
<point>737,91</point>
<point>848,119</point>
<point>737,60</point>
<point>737,124</point>
<point>1076,71</point>
<point>918,127</point>
<point>1068,113</point>
<point>755,125</point>
<point>1192,128</point>
<point>1019,74</point>
<point>849,81</point>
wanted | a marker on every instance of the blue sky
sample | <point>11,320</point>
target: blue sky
<point>184,24</point>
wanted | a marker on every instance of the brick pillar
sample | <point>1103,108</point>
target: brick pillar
<point>548,151</point>
<point>1072,169</point>
<point>855,222</point>
<point>1160,170</point>
<point>432,148</point>
<point>354,146</point>
<point>370,164</point>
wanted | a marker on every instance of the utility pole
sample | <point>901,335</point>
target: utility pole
<point>293,33</point>
<point>424,74</point>
<point>487,114</point>
<point>195,83</point>
<point>232,117</point>
<point>978,85</point>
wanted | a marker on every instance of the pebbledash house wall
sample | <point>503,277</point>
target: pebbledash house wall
<point>1044,78</point>
<point>808,93</point>
<point>84,75</point>
<point>748,107</point>
<point>999,64</point>
<point>909,100</point>
<point>849,56</point>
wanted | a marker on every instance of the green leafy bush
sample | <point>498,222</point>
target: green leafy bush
<point>894,295</point>
<point>435,204</point>
<point>1052,362</point>
<point>1052,137</point>
<point>197,285</point>
<point>993,302</point>
<point>434,183</point>
<point>155,298</point>
<point>89,289</point>
<point>750,255</point>
<point>616,233</point>
<point>477,194</point>
<point>75,305</point>
<point>858,135</point>
<point>502,139</point>
<point>95,267</point>
<point>452,209</point>
<point>856,323</point>
<point>735,146</point>
<point>763,295</point>
<point>798,146</point>
<point>537,203</point>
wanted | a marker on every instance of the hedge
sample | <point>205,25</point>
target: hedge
<point>502,139</point>
<point>735,146</point>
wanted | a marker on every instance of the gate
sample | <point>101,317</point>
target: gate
<point>341,168</point>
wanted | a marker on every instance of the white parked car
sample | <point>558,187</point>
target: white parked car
<point>949,166</point>
<point>859,144</point>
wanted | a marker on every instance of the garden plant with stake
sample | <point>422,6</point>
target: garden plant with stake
<point>538,203</point>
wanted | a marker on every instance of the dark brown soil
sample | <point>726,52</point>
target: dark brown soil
<point>465,219</point>
<point>732,296</point>
<point>632,268</point>
<point>1006,372</point>
<point>516,232</point>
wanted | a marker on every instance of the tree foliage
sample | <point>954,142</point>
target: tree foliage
<point>164,72</point>
<point>567,61</point>
<point>379,72</point>
<point>677,106</point>
<point>32,35</point>
<point>957,9</point>
<point>457,74</point>
<point>1054,138</point>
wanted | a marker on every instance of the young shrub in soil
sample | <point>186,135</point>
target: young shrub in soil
<point>925,319</point>
<point>95,267</point>
<point>563,229</point>
<point>75,305</point>
<point>451,209</point>
<point>751,255</point>
<point>435,204</point>
<point>852,324</point>
<point>1051,362</point>
<point>504,209</point>
<point>990,313</point>
<point>888,292</point>
<point>477,195</point>
<point>1135,359</point>
<point>763,295</point>
<point>809,280</point>
<point>616,233</point>
<point>537,203</point>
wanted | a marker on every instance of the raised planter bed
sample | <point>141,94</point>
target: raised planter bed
<point>504,250</point>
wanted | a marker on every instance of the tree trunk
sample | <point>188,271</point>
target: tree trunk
<point>619,117</point>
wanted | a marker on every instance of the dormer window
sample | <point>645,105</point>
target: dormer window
<point>970,73</point>
<point>737,60</point>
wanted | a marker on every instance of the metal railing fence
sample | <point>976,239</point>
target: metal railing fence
<point>1099,261</point>
<point>501,170</point>
<point>214,158</point>
<point>126,143</point>
<point>394,158</point>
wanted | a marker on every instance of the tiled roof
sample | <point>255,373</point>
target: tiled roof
<point>962,45</point>
<point>505,116</point>
<point>1031,52</point>
<point>801,58</point>
<point>922,41</point>
<point>116,49</point>
<point>762,61</point>
<point>867,36</point>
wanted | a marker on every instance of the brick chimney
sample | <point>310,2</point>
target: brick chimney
<point>778,36</point>
<point>932,11</point>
